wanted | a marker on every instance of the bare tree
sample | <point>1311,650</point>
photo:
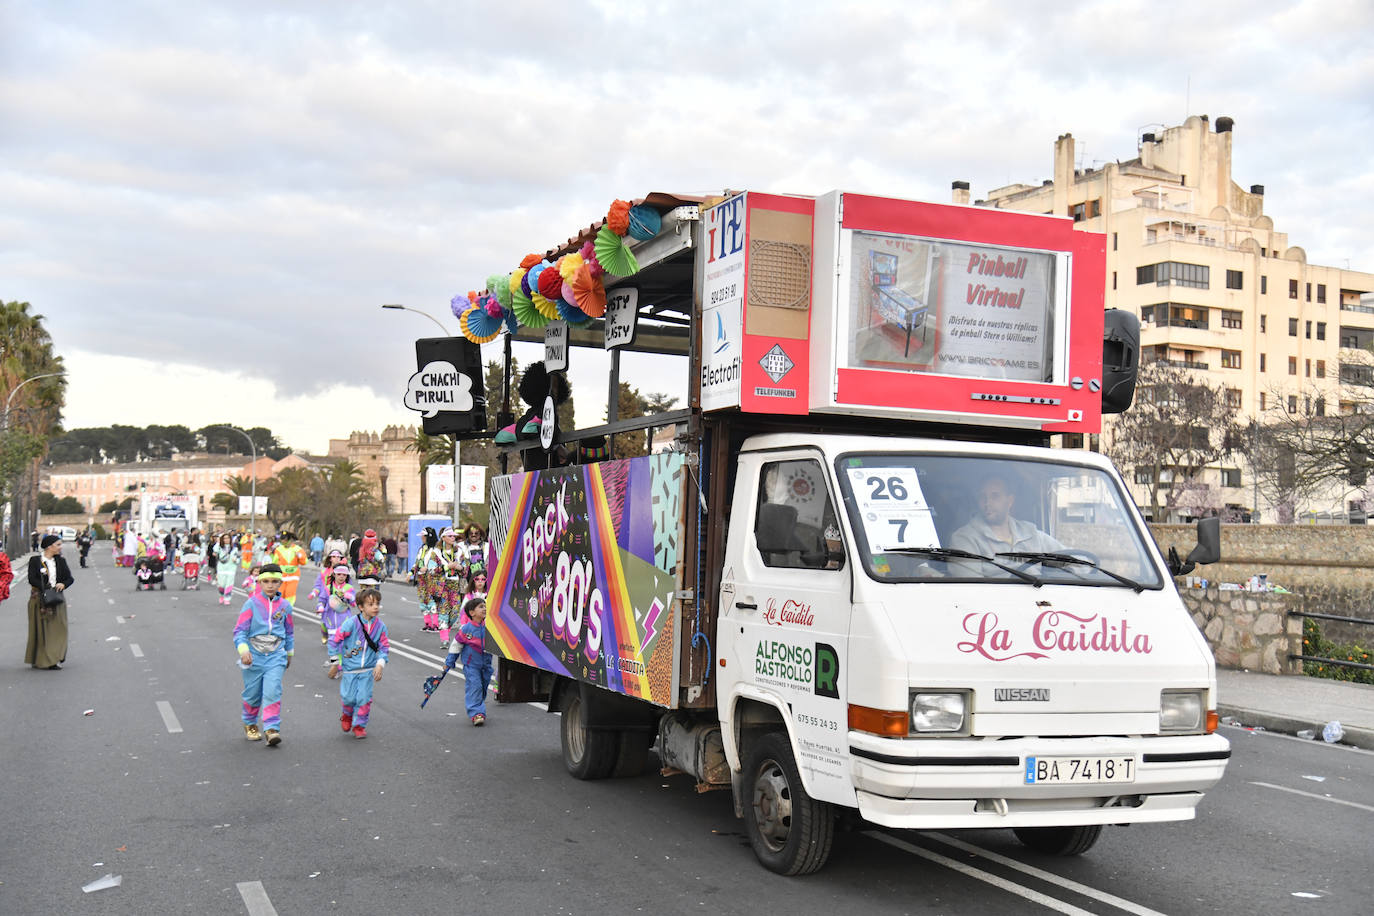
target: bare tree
<point>1176,429</point>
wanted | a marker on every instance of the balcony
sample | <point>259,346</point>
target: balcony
<point>1367,309</point>
<point>1181,364</point>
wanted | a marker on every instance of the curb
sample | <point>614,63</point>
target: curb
<point>1355,736</point>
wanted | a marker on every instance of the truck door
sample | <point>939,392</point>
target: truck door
<point>785,600</point>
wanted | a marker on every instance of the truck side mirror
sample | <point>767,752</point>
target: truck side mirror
<point>1120,359</point>
<point>1208,549</point>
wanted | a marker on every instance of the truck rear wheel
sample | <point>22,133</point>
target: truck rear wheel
<point>790,831</point>
<point>587,753</point>
<point>1059,841</point>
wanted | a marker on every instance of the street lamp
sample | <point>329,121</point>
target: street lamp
<point>457,464</point>
<point>383,473</point>
<point>253,507</point>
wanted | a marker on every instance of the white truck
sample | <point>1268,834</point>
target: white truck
<point>167,513</point>
<point>861,581</point>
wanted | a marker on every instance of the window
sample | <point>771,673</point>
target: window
<point>1307,406</point>
<point>1230,319</point>
<point>1113,279</point>
<point>1292,403</point>
<point>796,523</point>
<point>1292,289</point>
<point>1076,211</point>
<point>1321,368</point>
<point>1308,368</point>
<point>1319,408</point>
<point>1230,359</point>
<point>1321,330</point>
<point>1292,365</point>
<point>1197,276</point>
<point>1264,323</point>
<point>1321,292</point>
<point>1235,279</point>
<point>1113,241</point>
<point>1143,475</point>
<point>1263,360</point>
<point>1264,284</point>
<point>1307,331</point>
<point>1309,292</point>
<point>1292,327</point>
<point>1230,477</point>
<point>1233,398</point>
<point>1263,401</point>
<point>1094,208</point>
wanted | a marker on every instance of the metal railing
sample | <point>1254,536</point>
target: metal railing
<point>1339,662</point>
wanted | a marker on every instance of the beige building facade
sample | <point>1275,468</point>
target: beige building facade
<point>1219,290</point>
<point>385,456</point>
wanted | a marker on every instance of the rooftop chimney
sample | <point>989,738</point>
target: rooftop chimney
<point>960,193</point>
<point>1257,190</point>
<point>1224,125</point>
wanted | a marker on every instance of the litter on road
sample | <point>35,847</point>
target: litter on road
<point>89,712</point>
<point>100,884</point>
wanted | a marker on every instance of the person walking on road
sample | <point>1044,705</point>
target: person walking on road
<point>265,637</point>
<point>83,543</point>
<point>428,576</point>
<point>6,575</point>
<point>359,648</point>
<point>226,569</point>
<point>316,549</point>
<point>290,556</point>
<point>50,578</point>
<point>469,641</point>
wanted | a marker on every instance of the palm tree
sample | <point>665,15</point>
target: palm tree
<point>34,416</point>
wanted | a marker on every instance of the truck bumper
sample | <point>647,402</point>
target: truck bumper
<point>957,783</point>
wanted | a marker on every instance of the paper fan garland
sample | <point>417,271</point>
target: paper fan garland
<point>499,286</point>
<point>460,304</point>
<point>645,223</point>
<point>613,254</point>
<point>545,306</point>
<point>589,294</point>
<point>512,326</point>
<point>571,313</point>
<point>478,326</point>
<point>618,217</point>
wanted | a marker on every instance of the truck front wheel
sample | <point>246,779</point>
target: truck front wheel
<point>587,753</point>
<point>790,831</point>
<point>1059,841</point>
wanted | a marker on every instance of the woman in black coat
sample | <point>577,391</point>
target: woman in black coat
<point>47,646</point>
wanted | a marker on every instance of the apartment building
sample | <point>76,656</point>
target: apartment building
<point>1219,290</point>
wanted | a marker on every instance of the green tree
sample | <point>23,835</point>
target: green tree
<point>51,504</point>
<point>34,413</point>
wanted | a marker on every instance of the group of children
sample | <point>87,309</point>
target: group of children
<point>451,582</point>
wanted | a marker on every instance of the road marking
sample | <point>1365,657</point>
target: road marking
<point>978,874</point>
<point>119,618</point>
<point>133,647</point>
<point>1325,798</point>
<point>1050,877</point>
<point>255,898</point>
<point>169,718</point>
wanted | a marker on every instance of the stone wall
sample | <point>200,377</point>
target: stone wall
<point>1249,630</point>
<point>1297,557</point>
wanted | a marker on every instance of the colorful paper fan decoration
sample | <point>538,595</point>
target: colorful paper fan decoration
<point>499,286</point>
<point>571,313</point>
<point>613,254</point>
<point>589,294</point>
<point>618,217</point>
<point>645,223</point>
<point>512,326</point>
<point>541,302</point>
<point>478,326</point>
<point>550,288</point>
<point>568,264</point>
<point>530,260</point>
<point>589,258</point>
<point>522,307</point>
<point>460,304</point>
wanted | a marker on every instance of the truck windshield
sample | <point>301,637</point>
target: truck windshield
<point>966,518</point>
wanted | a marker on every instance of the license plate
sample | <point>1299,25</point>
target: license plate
<point>1079,770</point>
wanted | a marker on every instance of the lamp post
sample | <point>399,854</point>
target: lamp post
<point>253,506</point>
<point>5,425</point>
<point>383,474</point>
<point>457,464</point>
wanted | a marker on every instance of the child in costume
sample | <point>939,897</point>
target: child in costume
<point>226,568</point>
<point>427,574</point>
<point>265,637</point>
<point>469,642</point>
<point>455,583</point>
<point>338,602</point>
<point>478,588</point>
<point>250,582</point>
<point>370,560</point>
<point>361,648</point>
<point>320,593</point>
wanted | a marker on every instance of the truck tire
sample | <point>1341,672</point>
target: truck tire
<point>790,831</point>
<point>587,753</point>
<point>1059,841</point>
<point>632,753</point>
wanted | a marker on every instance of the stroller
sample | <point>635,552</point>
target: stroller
<point>148,574</point>
<point>190,571</point>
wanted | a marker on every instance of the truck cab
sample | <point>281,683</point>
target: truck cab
<point>950,634</point>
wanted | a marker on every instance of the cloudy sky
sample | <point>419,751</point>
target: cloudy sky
<point>210,201</point>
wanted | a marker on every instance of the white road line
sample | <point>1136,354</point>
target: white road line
<point>1334,801</point>
<point>169,718</point>
<point>133,647</point>
<point>1051,877</point>
<point>255,898</point>
<point>1059,906</point>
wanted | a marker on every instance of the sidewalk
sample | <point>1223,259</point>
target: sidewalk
<point>1291,703</point>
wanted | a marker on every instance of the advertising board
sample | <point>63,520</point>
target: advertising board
<point>584,571</point>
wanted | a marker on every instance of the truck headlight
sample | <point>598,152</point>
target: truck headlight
<point>938,712</point>
<point>1180,711</point>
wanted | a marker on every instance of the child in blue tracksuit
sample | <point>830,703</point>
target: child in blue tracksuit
<point>360,648</point>
<point>265,639</point>
<point>469,644</point>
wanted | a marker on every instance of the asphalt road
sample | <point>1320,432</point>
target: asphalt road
<point>429,814</point>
